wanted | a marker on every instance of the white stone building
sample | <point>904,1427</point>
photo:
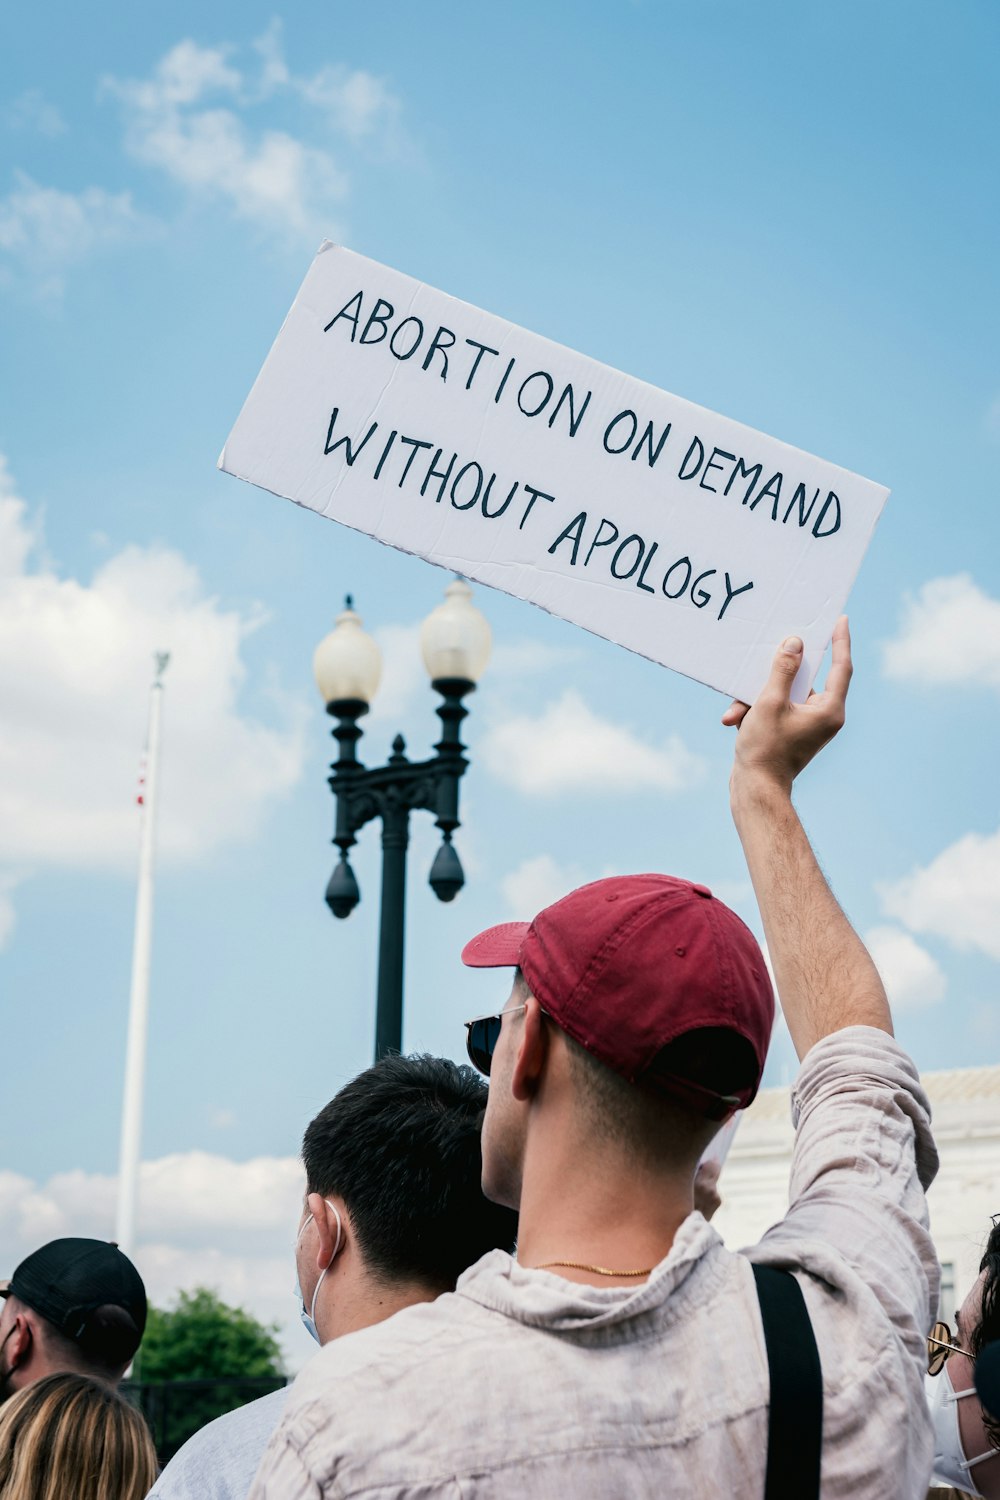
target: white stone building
<point>965,1103</point>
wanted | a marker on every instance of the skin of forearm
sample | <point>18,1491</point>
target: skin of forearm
<point>825,977</point>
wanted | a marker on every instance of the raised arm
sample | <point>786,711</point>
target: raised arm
<point>825,976</point>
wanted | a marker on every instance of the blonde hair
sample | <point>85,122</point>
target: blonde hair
<point>68,1435</point>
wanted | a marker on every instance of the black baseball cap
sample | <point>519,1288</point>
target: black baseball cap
<point>76,1285</point>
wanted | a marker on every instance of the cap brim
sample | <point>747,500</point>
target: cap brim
<point>497,947</point>
<point>5,1288</point>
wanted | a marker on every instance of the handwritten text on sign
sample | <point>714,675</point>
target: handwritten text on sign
<point>452,434</point>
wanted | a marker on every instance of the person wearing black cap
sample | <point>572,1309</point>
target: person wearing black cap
<point>74,1305</point>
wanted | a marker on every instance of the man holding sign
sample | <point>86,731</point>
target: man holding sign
<point>625,1350</point>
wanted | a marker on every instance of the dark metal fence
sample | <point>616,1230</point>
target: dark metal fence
<point>175,1409</point>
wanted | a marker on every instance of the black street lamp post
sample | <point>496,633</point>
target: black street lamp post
<point>455,640</point>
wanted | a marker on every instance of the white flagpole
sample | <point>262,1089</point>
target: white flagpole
<point>135,1055</point>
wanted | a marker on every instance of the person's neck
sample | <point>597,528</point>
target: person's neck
<point>595,1206</point>
<point>371,1302</point>
<point>43,1364</point>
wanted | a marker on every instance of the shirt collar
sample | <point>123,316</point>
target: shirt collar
<point>544,1299</point>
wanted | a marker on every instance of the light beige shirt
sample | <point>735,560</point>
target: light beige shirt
<point>521,1384</point>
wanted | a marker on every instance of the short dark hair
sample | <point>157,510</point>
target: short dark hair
<point>652,1121</point>
<point>988,1328</point>
<point>401,1145</point>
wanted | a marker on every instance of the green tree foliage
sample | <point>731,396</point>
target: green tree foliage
<point>202,1339</point>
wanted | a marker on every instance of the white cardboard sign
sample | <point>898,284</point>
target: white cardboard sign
<point>455,435</point>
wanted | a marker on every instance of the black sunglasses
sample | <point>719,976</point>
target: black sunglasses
<point>482,1036</point>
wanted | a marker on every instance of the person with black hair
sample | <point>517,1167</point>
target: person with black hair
<point>966,1437</point>
<point>393,1214</point>
<point>74,1306</point>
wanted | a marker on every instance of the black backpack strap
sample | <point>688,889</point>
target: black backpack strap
<point>795,1416</point>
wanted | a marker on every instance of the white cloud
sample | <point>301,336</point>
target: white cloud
<point>984,1027</point>
<point>950,633</point>
<point>536,883</point>
<point>568,748</point>
<point>357,102</point>
<point>190,119</point>
<point>733,892</point>
<point>193,120</point>
<point>528,658</point>
<point>31,111</point>
<point>183,76</point>
<point>913,978</point>
<point>75,663</point>
<point>405,686</point>
<point>182,1198</point>
<point>274,72</point>
<point>404,683</point>
<point>43,231</point>
<point>8,917</point>
<point>275,180</point>
<point>193,1196</point>
<point>17,537</point>
<point>956,896</point>
<point>259,1283</point>
<point>204,1220</point>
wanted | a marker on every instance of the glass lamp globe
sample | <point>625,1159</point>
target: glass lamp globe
<point>455,639</point>
<point>347,663</point>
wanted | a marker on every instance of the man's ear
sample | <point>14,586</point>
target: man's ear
<point>20,1342</point>
<point>332,1227</point>
<point>532,1051</point>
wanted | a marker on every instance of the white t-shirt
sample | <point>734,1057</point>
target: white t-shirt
<point>220,1460</point>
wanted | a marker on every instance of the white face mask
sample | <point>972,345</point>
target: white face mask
<point>6,1389</point>
<point>309,1318</point>
<point>950,1463</point>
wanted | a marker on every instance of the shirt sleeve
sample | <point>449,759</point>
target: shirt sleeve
<point>862,1159</point>
<point>188,1475</point>
<point>219,1461</point>
<point>283,1473</point>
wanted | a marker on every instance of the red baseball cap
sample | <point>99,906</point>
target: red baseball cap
<point>628,964</point>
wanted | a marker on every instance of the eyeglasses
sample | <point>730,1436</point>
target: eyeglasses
<point>939,1347</point>
<point>482,1036</point>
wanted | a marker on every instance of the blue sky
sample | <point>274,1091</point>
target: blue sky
<point>785,213</point>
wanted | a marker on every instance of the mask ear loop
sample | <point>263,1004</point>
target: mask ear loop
<point>970,1463</point>
<point>333,1257</point>
<point>991,1452</point>
<point>340,1230</point>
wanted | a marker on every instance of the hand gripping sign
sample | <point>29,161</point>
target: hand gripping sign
<point>455,435</point>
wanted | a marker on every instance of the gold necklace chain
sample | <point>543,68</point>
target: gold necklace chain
<point>579,1265</point>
